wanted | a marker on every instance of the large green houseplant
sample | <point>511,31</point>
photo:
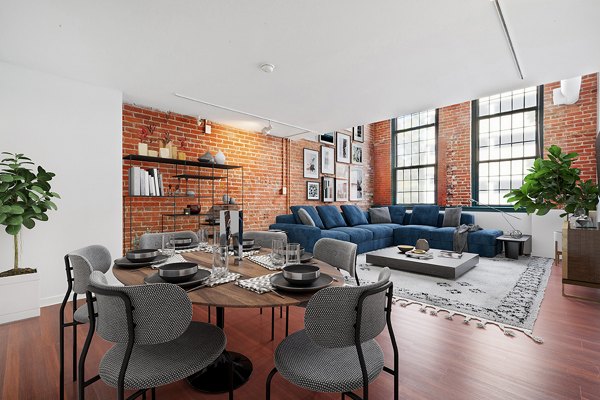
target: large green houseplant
<point>554,183</point>
<point>25,196</point>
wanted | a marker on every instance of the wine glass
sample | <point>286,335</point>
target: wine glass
<point>202,238</point>
<point>168,245</point>
<point>220,264</point>
<point>278,252</point>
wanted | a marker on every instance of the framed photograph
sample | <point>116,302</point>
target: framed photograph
<point>358,134</point>
<point>311,163</point>
<point>312,191</point>
<point>327,138</point>
<point>357,153</point>
<point>341,190</point>
<point>342,147</point>
<point>328,189</point>
<point>327,160</point>
<point>342,171</point>
<point>356,183</point>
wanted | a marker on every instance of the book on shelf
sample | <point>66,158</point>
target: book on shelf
<point>161,187</point>
<point>151,187</point>
<point>134,181</point>
<point>144,182</point>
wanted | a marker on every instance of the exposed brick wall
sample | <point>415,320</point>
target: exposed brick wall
<point>264,158</point>
<point>454,154</point>
<point>381,134</point>
<point>574,127</point>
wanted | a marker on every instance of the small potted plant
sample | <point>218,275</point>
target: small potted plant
<point>25,197</point>
<point>146,133</point>
<point>165,145</point>
<point>182,146</point>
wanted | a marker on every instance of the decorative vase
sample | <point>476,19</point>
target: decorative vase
<point>194,209</point>
<point>153,153</point>
<point>220,157</point>
<point>181,155</point>
<point>422,244</point>
<point>207,157</point>
<point>143,149</point>
<point>173,150</point>
<point>164,152</point>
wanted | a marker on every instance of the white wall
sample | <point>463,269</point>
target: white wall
<point>74,130</point>
<point>541,228</point>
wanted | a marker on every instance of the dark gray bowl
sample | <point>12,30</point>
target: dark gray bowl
<point>142,255</point>
<point>248,243</point>
<point>181,241</point>
<point>178,272</point>
<point>301,274</point>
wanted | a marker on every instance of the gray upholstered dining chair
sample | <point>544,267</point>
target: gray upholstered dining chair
<point>337,253</point>
<point>156,341</point>
<point>79,264</point>
<point>337,350</point>
<point>154,240</point>
<point>265,239</point>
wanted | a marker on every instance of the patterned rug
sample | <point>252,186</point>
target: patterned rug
<point>499,291</point>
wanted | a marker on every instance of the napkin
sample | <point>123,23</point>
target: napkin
<point>260,284</point>
<point>264,261</point>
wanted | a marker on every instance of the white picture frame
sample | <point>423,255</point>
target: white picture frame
<point>342,171</point>
<point>341,190</point>
<point>356,184</point>
<point>327,160</point>
<point>357,153</point>
<point>311,164</point>
<point>342,147</point>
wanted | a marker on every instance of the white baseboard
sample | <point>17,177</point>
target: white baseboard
<point>19,315</point>
<point>51,300</point>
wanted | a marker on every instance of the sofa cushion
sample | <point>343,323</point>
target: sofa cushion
<point>354,215</point>
<point>397,214</point>
<point>311,211</point>
<point>486,237</point>
<point>442,234</point>
<point>357,235</point>
<point>425,215</point>
<point>331,217</point>
<point>333,234</point>
<point>380,231</point>
<point>380,215</point>
<point>305,217</point>
<point>409,234</point>
<point>452,217</point>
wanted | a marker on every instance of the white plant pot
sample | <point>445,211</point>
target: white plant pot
<point>19,297</point>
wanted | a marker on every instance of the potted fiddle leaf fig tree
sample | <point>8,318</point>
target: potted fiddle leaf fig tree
<point>25,197</point>
<point>554,183</point>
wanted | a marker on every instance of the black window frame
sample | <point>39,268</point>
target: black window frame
<point>395,168</point>
<point>475,118</point>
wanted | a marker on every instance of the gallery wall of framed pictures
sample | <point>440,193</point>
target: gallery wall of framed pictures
<point>339,164</point>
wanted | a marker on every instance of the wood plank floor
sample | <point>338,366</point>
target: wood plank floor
<point>439,359</point>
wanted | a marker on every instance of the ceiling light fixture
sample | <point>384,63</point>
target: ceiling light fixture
<point>268,68</point>
<point>267,129</point>
<point>507,35</point>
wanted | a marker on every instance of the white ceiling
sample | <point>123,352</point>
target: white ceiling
<point>338,63</point>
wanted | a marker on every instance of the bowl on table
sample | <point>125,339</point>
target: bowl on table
<point>178,272</point>
<point>404,248</point>
<point>142,255</point>
<point>180,242</point>
<point>301,274</point>
<point>248,243</point>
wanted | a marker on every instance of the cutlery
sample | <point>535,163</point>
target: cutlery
<point>196,288</point>
<point>274,292</point>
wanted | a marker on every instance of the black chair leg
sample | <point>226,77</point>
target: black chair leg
<point>74,350</point>
<point>269,378</point>
<point>280,312</point>
<point>357,281</point>
<point>153,393</point>
<point>287,320</point>
<point>209,314</point>
<point>144,395</point>
<point>62,358</point>
<point>272,323</point>
<point>230,373</point>
<point>261,310</point>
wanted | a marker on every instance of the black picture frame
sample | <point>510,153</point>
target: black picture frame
<point>328,189</point>
<point>313,191</point>
<point>327,160</point>
<point>327,138</point>
<point>310,164</point>
<point>343,145</point>
<point>358,134</point>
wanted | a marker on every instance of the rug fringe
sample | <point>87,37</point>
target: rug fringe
<point>507,330</point>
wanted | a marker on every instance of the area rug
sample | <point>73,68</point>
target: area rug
<point>500,291</point>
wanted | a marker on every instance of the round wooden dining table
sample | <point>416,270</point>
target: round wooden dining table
<point>214,378</point>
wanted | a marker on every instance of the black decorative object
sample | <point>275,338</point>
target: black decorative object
<point>301,274</point>
<point>125,263</point>
<point>178,272</point>
<point>142,255</point>
<point>279,282</point>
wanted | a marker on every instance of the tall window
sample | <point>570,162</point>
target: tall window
<point>507,138</point>
<point>414,149</point>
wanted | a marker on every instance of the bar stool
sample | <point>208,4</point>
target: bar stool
<point>557,246</point>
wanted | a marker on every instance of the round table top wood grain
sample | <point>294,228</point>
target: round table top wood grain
<point>229,294</point>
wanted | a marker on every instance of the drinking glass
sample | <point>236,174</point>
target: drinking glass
<point>278,252</point>
<point>220,264</point>
<point>292,254</point>
<point>202,238</point>
<point>168,247</point>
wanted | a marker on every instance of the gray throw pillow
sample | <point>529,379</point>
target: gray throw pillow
<point>380,215</point>
<point>452,217</point>
<point>305,217</point>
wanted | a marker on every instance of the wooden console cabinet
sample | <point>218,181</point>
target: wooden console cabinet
<point>581,258</point>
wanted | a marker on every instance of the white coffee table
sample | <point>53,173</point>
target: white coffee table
<point>449,268</point>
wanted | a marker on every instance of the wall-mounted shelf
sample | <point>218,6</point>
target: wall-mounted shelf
<point>201,177</point>
<point>135,157</point>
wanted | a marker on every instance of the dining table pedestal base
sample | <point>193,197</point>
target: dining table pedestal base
<point>215,377</point>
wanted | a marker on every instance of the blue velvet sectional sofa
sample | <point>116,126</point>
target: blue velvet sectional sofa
<point>353,224</point>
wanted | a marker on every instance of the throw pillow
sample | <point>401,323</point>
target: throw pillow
<point>452,217</point>
<point>311,211</point>
<point>354,215</point>
<point>380,215</point>
<point>305,217</point>
<point>425,215</point>
<point>397,214</point>
<point>331,216</point>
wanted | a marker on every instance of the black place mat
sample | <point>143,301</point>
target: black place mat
<point>123,262</point>
<point>279,282</point>
<point>200,276</point>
